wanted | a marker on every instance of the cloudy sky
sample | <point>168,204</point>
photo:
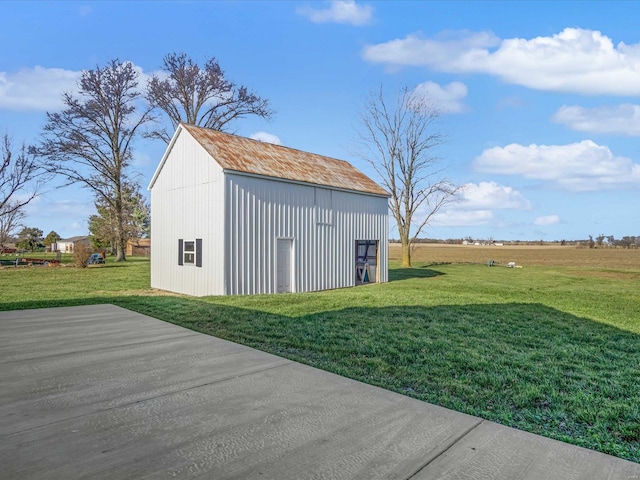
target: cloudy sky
<point>540,100</point>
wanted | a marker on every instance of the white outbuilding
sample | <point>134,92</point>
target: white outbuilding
<point>235,216</point>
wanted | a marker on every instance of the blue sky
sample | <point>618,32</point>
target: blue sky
<point>541,100</point>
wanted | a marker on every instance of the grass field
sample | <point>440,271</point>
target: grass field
<point>526,255</point>
<point>552,348</point>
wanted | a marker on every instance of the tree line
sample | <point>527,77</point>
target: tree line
<point>609,241</point>
<point>601,241</point>
<point>90,141</point>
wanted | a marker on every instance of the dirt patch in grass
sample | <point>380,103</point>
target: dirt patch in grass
<point>150,292</point>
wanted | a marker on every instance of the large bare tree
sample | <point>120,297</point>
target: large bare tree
<point>91,141</point>
<point>200,96</point>
<point>19,175</point>
<point>398,139</point>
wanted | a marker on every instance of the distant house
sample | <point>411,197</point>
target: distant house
<point>235,216</point>
<point>138,246</point>
<point>68,245</point>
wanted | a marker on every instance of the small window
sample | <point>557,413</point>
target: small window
<point>189,252</point>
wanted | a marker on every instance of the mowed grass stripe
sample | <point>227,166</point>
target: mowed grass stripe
<point>550,349</point>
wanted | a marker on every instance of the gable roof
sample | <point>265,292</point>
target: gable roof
<point>77,238</point>
<point>240,154</point>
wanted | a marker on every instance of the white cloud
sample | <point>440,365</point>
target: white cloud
<point>67,215</point>
<point>582,166</point>
<point>620,119</point>
<point>491,195</point>
<point>266,137</point>
<point>448,99</point>
<point>547,220</point>
<point>574,60</point>
<point>440,53</point>
<point>339,11</point>
<point>36,88</point>
<point>66,212</point>
<point>477,203</point>
<point>460,218</point>
<point>41,88</point>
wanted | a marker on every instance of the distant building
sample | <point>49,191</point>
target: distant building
<point>234,216</point>
<point>68,245</point>
<point>138,246</point>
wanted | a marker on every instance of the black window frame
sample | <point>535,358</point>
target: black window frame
<point>192,248</point>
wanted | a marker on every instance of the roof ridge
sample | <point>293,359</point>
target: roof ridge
<point>260,142</point>
<point>247,155</point>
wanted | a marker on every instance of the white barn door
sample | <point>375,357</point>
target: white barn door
<point>283,270</point>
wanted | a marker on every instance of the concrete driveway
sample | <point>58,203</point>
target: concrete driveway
<point>102,392</point>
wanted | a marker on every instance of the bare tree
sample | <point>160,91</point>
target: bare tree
<point>90,141</point>
<point>19,172</point>
<point>398,140</point>
<point>11,217</point>
<point>200,96</point>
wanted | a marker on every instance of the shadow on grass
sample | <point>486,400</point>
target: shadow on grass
<point>396,274</point>
<point>524,365</point>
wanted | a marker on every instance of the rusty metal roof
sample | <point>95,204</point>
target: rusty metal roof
<point>242,154</point>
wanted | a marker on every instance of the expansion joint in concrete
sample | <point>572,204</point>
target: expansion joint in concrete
<point>451,444</point>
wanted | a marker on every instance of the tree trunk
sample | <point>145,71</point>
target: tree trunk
<point>406,252</point>
<point>120,246</point>
<point>120,251</point>
<point>120,235</point>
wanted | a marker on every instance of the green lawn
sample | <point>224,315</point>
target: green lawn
<point>551,350</point>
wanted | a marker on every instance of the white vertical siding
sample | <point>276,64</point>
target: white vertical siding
<point>323,223</point>
<point>187,202</point>
<point>240,217</point>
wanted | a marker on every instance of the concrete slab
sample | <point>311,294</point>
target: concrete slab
<point>86,359</point>
<point>495,451</point>
<point>102,392</point>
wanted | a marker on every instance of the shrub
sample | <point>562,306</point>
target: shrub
<point>81,254</point>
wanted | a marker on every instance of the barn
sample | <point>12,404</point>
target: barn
<point>235,216</point>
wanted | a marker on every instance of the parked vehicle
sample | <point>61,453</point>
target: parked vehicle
<point>95,259</point>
